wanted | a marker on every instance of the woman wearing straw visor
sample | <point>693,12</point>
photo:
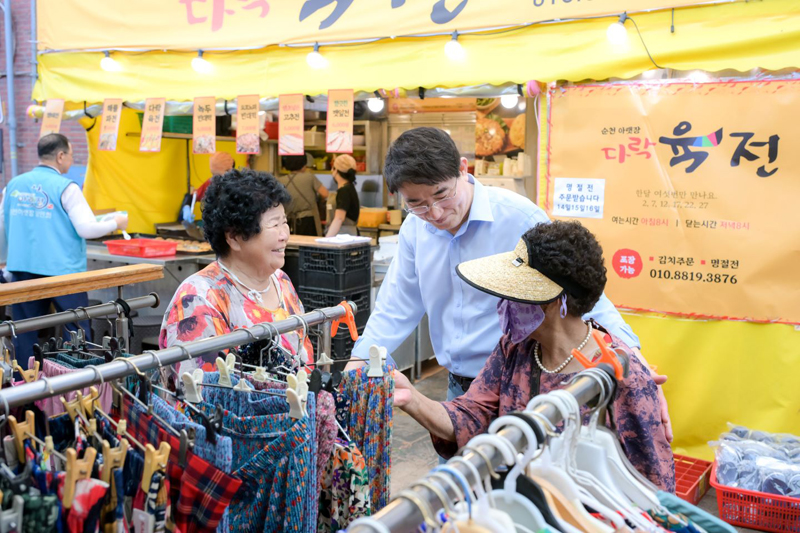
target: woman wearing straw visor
<point>553,277</point>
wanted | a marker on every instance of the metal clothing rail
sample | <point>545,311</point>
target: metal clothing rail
<point>403,516</point>
<point>12,328</point>
<point>122,367</point>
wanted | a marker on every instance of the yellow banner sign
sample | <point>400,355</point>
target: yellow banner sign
<point>691,190</point>
<point>204,125</point>
<point>290,124</point>
<point>247,140</point>
<point>51,120</point>
<point>152,125</point>
<point>109,124</point>
<point>208,24</point>
<point>339,133</point>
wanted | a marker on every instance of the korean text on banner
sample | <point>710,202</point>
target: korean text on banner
<point>152,125</point>
<point>109,124</point>
<point>696,218</point>
<point>204,125</point>
<point>247,140</point>
<point>290,124</point>
<point>51,120</point>
<point>339,134</point>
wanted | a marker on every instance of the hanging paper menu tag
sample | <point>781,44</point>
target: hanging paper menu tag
<point>339,138</point>
<point>51,120</point>
<point>204,125</point>
<point>109,124</point>
<point>247,141</point>
<point>152,125</point>
<point>290,124</point>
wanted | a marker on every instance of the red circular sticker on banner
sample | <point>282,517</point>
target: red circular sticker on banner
<point>627,263</point>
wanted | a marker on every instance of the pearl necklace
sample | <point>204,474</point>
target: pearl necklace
<point>253,294</point>
<point>537,350</point>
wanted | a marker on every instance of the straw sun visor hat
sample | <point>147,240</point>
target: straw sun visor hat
<point>516,276</point>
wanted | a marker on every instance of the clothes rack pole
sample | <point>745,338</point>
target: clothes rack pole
<point>403,516</point>
<point>12,327</point>
<point>119,368</point>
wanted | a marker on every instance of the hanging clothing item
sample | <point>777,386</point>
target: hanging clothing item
<point>84,515</point>
<point>326,431</point>
<point>506,383</point>
<point>202,491</point>
<point>279,483</point>
<point>208,304</point>
<point>345,490</point>
<point>62,364</point>
<point>242,403</point>
<point>364,407</point>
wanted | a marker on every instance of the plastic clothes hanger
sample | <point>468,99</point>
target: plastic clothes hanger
<point>427,515</point>
<point>76,470</point>
<point>520,508</point>
<point>482,519</point>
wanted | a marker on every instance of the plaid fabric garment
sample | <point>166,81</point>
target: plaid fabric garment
<point>201,490</point>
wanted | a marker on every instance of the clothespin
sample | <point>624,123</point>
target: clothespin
<point>122,427</point>
<point>186,444</point>
<point>607,356</point>
<point>260,374</point>
<point>315,381</point>
<point>113,458</point>
<point>324,360</point>
<point>224,373</point>
<point>348,319</point>
<point>243,386</point>
<point>377,354</point>
<point>11,520</point>
<point>20,429</point>
<point>76,470</point>
<point>191,386</point>
<point>296,411</point>
<point>73,407</point>
<point>291,382</point>
<point>87,402</point>
<point>27,375</point>
<point>154,460</point>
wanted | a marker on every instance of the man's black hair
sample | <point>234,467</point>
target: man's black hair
<point>425,156</point>
<point>51,144</point>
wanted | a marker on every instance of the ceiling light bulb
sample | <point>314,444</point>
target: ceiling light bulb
<point>616,33</point>
<point>375,104</point>
<point>316,60</point>
<point>509,100</point>
<point>522,105</point>
<point>109,64</point>
<point>200,65</point>
<point>453,49</point>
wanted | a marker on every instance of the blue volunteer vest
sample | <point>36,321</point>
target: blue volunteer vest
<point>41,238</point>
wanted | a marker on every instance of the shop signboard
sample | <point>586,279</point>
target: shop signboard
<point>204,125</point>
<point>216,24</point>
<point>247,139</point>
<point>339,133</point>
<point>109,124</point>
<point>290,124</point>
<point>51,120</point>
<point>152,125</point>
<point>692,203</point>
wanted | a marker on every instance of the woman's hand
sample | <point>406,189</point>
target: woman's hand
<point>403,390</point>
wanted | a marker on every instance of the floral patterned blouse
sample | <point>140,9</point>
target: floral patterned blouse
<point>208,304</point>
<point>504,386</point>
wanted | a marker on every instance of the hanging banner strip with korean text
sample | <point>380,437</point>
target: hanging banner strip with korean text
<point>690,188</point>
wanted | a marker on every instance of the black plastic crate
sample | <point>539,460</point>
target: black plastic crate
<point>341,346</point>
<point>317,299</point>
<point>323,268</point>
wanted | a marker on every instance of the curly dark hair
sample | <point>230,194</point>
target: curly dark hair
<point>570,251</point>
<point>235,201</point>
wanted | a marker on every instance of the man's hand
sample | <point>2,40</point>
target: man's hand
<point>403,390</point>
<point>122,221</point>
<point>659,379</point>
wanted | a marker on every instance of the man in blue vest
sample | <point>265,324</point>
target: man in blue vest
<point>44,223</point>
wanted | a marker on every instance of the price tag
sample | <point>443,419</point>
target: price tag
<point>247,140</point>
<point>204,125</point>
<point>290,124</point>
<point>51,120</point>
<point>109,124</point>
<point>339,135</point>
<point>152,125</point>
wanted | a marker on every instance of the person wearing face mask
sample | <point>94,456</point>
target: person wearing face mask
<point>553,277</point>
<point>454,218</point>
<point>246,226</point>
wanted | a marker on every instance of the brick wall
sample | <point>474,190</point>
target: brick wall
<point>27,128</point>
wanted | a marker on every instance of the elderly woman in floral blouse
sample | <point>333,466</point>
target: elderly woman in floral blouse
<point>553,277</point>
<point>245,223</point>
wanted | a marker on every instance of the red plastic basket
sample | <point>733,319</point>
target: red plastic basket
<point>756,510</point>
<point>691,478</point>
<point>141,247</point>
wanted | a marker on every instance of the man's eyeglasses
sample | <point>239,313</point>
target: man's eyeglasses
<point>444,202</point>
